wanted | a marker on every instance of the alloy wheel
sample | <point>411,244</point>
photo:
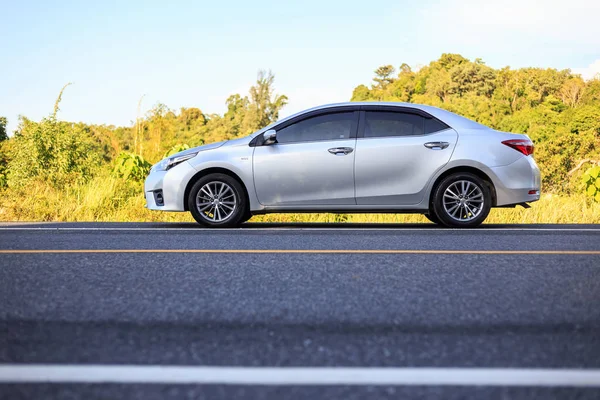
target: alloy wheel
<point>216,201</point>
<point>463,200</point>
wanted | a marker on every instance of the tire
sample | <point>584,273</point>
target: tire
<point>462,200</point>
<point>218,201</point>
<point>432,217</point>
<point>246,217</point>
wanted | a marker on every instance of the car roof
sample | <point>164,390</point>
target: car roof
<point>451,119</point>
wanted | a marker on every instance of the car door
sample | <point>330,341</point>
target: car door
<point>312,162</point>
<point>397,153</point>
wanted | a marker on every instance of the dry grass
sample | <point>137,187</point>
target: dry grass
<point>551,209</point>
<point>107,198</point>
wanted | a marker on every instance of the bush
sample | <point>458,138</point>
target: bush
<point>131,166</point>
<point>591,179</point>
<point>56,152</point>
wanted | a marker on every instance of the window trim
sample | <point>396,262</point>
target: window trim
<point>397,110</point>
<point>312,114</point>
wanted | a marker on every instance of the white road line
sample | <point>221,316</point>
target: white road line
<point>262,229</point>
<point>59,373</point>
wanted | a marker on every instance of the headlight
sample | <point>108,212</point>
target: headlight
<point>170,162</point>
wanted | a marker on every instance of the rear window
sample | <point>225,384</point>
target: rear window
<point>389,124</point>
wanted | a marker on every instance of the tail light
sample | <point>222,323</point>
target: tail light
<point>524,146</point>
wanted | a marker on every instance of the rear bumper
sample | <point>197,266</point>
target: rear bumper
<point>515,182</point>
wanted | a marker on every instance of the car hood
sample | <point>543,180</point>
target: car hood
<point>199,148</point>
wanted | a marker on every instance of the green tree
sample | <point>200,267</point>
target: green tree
<point>361,93</point>
<point>384,75</point>
<point>191,117</point>
<point>3,134</point>
<point>475,78</point>
<point>449,60</point>
<point>591,93</point>
<point>3,153</point>
<point>264,105</point>
<point>440,84</point>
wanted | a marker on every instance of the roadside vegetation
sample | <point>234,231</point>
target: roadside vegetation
<point>52,170</point>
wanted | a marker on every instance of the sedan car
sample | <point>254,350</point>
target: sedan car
<point>352,158</point>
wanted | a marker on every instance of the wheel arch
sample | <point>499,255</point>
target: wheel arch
<point>208,171</point>
<point>465,168</point>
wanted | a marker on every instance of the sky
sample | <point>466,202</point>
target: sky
<point>197,53</point>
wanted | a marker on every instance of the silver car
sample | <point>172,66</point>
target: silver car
<point>352,158</point>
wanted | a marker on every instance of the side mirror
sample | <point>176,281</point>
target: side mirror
<point>269,137</point>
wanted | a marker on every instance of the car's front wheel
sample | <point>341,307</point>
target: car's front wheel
<point>218,201</point>
<point>432,217</point>
<point>462,200</point>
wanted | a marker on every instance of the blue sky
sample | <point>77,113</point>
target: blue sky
<point>197,53</point>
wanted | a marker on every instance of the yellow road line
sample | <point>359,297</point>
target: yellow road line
<point>306,251</point>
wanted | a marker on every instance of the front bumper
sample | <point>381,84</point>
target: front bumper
<point>515,182</point>
<point>172,183</point>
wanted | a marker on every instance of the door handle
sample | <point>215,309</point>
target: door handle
<point>436,145</point>
<point>341,151</point>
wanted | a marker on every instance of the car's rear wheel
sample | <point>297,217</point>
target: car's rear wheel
<point>218,201</point>
<point>462,200</point>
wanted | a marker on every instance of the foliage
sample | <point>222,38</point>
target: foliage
<point>52,151</point>
<point>56,170</point>
<point>162,128</point>
<point>131,166</point>
<point>3,165</point>
<point>3,153</point>
<point>247,114</point>
<point>557,109</point>
<point>176,149</point>
<point>3,134</point>
<point>591,179</point>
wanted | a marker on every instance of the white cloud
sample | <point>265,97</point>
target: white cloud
<point>589,72</point>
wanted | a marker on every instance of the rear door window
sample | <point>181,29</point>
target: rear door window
<point>393,124</point>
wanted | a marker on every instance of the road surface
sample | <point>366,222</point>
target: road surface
<point>299,311</point>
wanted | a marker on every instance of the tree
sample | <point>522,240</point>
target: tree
<point>3,153</point>
<point>157,125</point>
<point>510,87</point>
<point>572,91</point>
<point>3,135</point>
<point>360,93</point>
<point>439,83</point>
<point>384,76</point>
<point>405,69</point>
<point>264,104</point>
<point>191,116</point>
<point>591,94</point>
<point>449,60</point>
<point>472,77</point>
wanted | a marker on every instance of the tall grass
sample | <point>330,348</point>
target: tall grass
<point>107,198</point>
<point>576,209</point>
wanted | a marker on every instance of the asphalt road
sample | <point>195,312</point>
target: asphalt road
<point>519,296</point>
